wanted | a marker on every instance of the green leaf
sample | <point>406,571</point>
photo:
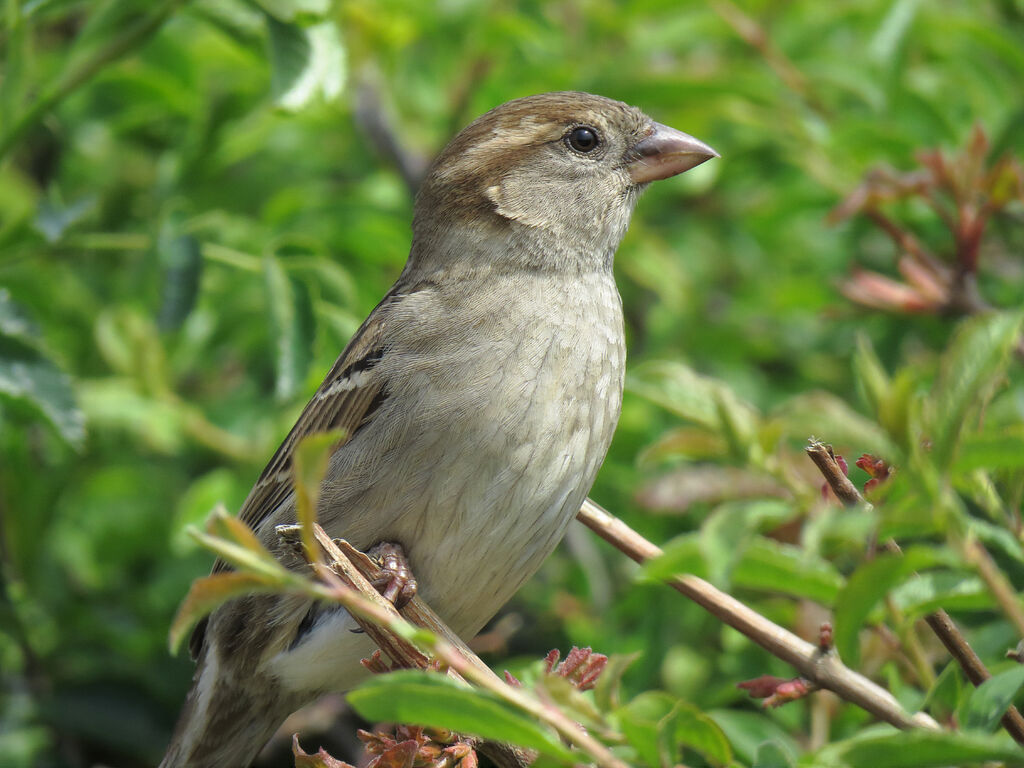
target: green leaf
<point>683,554</point>
<point>701,399</point>
<point>656,724</point>
<point>291,315</point>
<point>234,541</point>
<point>873,382</point>
<point>974,361</point>
<point>829,418</point>
<point>771,755</point>
<point>309,465</point>
<point>917,749</point>
<point>726,531</point>
<point>696,730</point>
<point>992,450</point>
<point>989,701</point>
<point>430,699</point>
<point>893,30</point>
<point>306,63</point>
<point>865,588</point>
<point>181,260</point>
<point>296,10</point>
<point>747,731</point>
<point>648,723</point>
<point>769,565</point>
<point>30,379</point>
<point>954,591</point>
<point>606,692</point>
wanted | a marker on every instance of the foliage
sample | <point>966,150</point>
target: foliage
<point>198,205</point>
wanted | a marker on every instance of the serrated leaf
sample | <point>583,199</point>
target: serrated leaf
<point>307,63</point>
<point>766,564</point>
<point>291,315</point>
<point>864,589</point>
<point>430,699</point>
<point>989,701</point>
<point>975,359</point>
<point>209,593</point>
<point>918,749</point>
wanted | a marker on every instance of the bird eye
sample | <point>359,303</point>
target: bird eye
<point>582,139</point>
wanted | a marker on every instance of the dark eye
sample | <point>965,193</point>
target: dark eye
<point>583,139</point>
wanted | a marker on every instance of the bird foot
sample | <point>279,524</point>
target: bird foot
<point>396,582</point>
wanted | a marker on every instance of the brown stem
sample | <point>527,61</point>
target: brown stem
<point>939,621</point>
<point>823,669</point>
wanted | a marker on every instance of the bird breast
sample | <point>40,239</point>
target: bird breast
<point>496,426</point>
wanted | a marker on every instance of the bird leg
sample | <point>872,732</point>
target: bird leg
<point>396,582</point>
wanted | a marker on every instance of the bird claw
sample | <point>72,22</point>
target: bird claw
<point>396,583</point>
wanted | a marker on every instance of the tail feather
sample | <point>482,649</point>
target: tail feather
<point>226,719</point>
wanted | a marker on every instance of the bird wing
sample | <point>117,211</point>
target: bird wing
<point>348,397</point>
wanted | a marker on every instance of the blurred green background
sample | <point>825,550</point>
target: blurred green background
<point>200,201</point>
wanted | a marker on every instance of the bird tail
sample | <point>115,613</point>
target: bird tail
<point>226,719</point>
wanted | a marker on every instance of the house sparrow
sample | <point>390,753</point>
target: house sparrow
<point>479,398</point>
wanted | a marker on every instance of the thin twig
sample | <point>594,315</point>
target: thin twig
<point>939,621</point>
<point>378,128</point>
<point>824,670</point>
<point>365,604</point>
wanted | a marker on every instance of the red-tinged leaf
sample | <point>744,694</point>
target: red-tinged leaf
<point>880,292</point>
<point>320,760</point>
<point>209,593</point>
<point>761,687</point>
<point>401,755</point>
<point>788,691</point>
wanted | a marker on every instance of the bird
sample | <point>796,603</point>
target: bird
<point>479,399</point>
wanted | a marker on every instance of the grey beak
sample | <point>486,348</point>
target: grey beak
<point>665,152</point>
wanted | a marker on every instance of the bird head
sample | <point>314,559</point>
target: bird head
<point>551,179</point>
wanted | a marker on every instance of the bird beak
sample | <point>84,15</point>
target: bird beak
<point>665,152</point>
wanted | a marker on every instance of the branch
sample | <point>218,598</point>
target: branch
<point>340,561</point>
<point>940,622</point>
<point>378,128</point>
<point>824,670</point>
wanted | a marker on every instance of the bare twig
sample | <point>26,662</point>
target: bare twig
<point>824,670</point>
<point>940,622</point>
<point>375,123</point>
